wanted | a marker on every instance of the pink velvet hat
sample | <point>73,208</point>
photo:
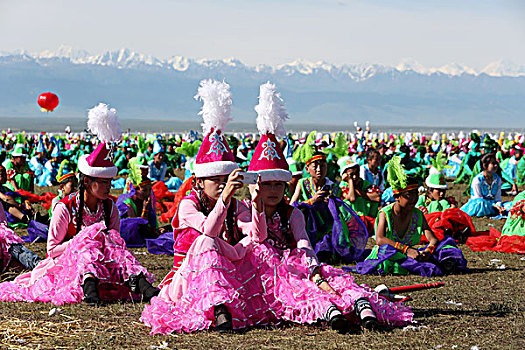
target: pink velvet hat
<point>215,156</point>
<point>104,123</point>
<point>268,158</point>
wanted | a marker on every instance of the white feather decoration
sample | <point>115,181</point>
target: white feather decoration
<point>270,111</point>
<point>104,123</point>
<point>216,108</point>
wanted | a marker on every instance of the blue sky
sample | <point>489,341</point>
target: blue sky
<point>472,32</point>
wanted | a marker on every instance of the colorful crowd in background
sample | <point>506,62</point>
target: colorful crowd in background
<point>314,200</point>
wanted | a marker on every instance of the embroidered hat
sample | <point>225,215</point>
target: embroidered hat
<point>56,150</point>
<point>436,177</point>
<point>104,123</point>
<point>214,156</point>
<point>295,167</point>
<point>40,147</point>
<point>61,176</point>
<point>19,151</point>
<point>157,147</point>
<point>346,163</point>
<point>268,158</point>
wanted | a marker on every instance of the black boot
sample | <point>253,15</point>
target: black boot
<point>223,319</point>
<point>140,285</point>
<point>91,291</point>
<point>23,255</point>
<point>336,320</point>
<point>366,314</point>
<point>25,219</point>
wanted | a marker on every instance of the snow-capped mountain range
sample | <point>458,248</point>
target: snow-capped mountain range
<point>125,58</point>
<point>143,86</point>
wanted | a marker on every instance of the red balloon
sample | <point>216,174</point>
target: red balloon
<point>48,101</point>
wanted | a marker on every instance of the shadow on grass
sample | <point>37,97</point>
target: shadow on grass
<point>494,310</point>
<point>489,269</point>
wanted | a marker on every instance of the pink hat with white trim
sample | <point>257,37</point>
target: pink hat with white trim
<point>104,123</point>
<point>268,158</point>
<point>214,157</point>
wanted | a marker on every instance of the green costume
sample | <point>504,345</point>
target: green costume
<point>515,224</point>
<point>411,237</point>
<point>362,206</point>
<point>432,205</point>
<point>22,179</point>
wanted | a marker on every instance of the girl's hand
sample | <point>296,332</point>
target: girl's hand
<point>257,201</point>
<point>424,255</point>
<point>232,184</point>
<point>413,253</point>
<point>324,286</point>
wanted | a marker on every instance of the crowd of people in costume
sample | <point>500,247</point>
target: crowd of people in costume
<point>259,258</point>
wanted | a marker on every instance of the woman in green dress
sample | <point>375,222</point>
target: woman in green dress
<point>399,229</point>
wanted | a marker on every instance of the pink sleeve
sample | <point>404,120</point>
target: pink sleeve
<point>58,230</point>
<point>114,221</point>
<point>252,223</point>
<point>3,218</point>
<point>210,225</point>
<point>298,227</point>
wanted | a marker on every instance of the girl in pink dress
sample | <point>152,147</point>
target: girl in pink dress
<point>218,283</point>
<point>86,257</point>
<point>299,288</point>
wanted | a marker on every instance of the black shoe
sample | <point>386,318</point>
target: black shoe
<point>25,219</point>
<point>448,266</point>
<point>140,285</point>
<point>448,232</point>
<point>339,323</point>
<point>464,234</point>
<point>366,314</point>
<point>223,319</point>
<point>90,289</point>
<point>336,320</point>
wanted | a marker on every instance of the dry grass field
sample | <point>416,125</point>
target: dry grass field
<point>483,309</point>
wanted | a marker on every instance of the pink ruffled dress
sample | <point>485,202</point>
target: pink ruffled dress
<point>7,237</point>
<point>95,249</point>
<point>294,297</point>
<point>216,270</point>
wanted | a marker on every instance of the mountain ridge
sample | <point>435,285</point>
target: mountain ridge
<point>142,86</point>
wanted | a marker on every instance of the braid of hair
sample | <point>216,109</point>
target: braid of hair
<point>203,199</point>
<point>283,209</point>
<point>80,209</point>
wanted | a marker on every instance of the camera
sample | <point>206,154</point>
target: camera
<point>249,177</point>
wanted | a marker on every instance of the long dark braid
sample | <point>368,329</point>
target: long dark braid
<point>80,209</point>
<point>283,210</point>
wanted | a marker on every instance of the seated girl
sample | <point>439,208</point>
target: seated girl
<point>434,199</point>
<point>485,191</point>
<point>86,257</point>
<point>213,281</point>
<point>334,228</point>
<point>137,207</point>
<point>299,288</point>
<point>67,184</point>
<point>399,228</point>
<point>372,171</point>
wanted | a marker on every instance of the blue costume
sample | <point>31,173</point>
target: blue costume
<point>483,196</point>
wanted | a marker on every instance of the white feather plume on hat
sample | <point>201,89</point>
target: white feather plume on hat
<point>216,108</point>
<point>104,123</point>
<point>271,113</point>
